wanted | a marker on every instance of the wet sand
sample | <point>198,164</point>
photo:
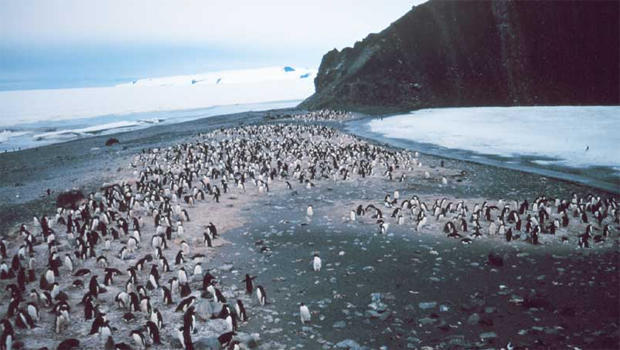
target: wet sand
<point>437,292</point>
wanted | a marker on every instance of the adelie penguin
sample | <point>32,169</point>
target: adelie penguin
<point>185,337</point>
<point>261,296</point>
<point>304,313</point>
<point>185,304</point>
<point>7,338</point>
<point>240,310</point>
<point>138,338</point>
<point>249,286</point>
<point>69,344</point>
<point>316,263</point>
<point>153,332</point>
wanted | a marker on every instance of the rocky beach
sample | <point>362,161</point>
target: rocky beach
<point>388,281</point>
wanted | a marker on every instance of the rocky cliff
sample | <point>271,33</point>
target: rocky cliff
<point>479,53</point>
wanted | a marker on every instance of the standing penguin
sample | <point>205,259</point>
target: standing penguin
<point>153,332</point>
<point>185,337</point>
<point>316,263</point>
<point>240,309</point>
<point>309,211</point>
<point>261,295</point>
<point>249,286</point>
<point>138,338</point>
<point>304,313</point>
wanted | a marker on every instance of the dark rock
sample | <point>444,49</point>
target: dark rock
<point>478,53</point>
<point>495,260</point>
<point>473,319</point>
<point>537,301</point>
<point>111,141</point>
<point>70,199</point>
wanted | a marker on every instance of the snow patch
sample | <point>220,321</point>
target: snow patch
<point>574,135</point>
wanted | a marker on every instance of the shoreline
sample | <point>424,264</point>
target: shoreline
<point>603,182</point>
<point>277,219</point>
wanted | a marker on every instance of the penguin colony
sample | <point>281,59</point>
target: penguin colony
<point>126,250</point>
<point>324,115</point>
<point>581,220</point>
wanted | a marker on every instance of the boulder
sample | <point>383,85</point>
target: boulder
<point>111,141</point>
<point>70,199</point>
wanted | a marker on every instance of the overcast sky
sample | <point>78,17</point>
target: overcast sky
<point>259,23</point>
<point>90,41</point>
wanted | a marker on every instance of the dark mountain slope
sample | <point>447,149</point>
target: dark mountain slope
<point>479,53</point>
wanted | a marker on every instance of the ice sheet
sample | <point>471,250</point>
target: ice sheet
<point>575,136</point>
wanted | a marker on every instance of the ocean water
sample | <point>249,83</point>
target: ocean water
<point>45,132</point>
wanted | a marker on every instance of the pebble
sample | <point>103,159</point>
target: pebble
<point>427,305</point>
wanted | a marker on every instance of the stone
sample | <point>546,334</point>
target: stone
<point>495,260</point>
<point>348,344</point>
<point>427,305</point>
<point>340,324</point>
<point>70,199</point>
<point>487,336</point>
<point>206,343</point>
<point>111,141</point>
<point>473,319</point>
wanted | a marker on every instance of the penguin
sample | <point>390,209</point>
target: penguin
<point>81,272</point>
<point>383,227</point>
<point>153,332</point>
<point>105,331</point>
<point>240,309</point>
<point>231,324</point>
<point>23,320</point>
<point>249,287</point>
<point>309,211</point>
<point>184,336</point>
<point>316,263</point>
<point>304,313</point>
<point>207,240</point>
<point>182,276</point>
<point>138,338</point>
<point>69,344</point>
<point>33,311</point>
<point>166,296</point>
<point>212,229</point>
<point>7,337</point>
<point>234,345</point>
<point>69,262</point>
<point>185,248</point>
<point>185,304</point>
<point>261,296</point>
<point>128,317</point>
<point>225,339</point>
<point>156,318</point>
<point>98,322</point>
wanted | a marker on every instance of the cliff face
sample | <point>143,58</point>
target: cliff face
<point>479,53</point>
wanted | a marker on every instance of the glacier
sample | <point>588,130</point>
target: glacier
<point>232,87</point>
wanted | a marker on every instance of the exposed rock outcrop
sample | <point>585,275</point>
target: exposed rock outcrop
<point>479,53</point>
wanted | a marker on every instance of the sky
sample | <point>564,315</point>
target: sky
<point>45,42</point>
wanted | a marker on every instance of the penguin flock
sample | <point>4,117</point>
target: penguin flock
<point>132,248</point>
<point>324,115</point>
<point>583,220</point>
<point>125,249</point>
